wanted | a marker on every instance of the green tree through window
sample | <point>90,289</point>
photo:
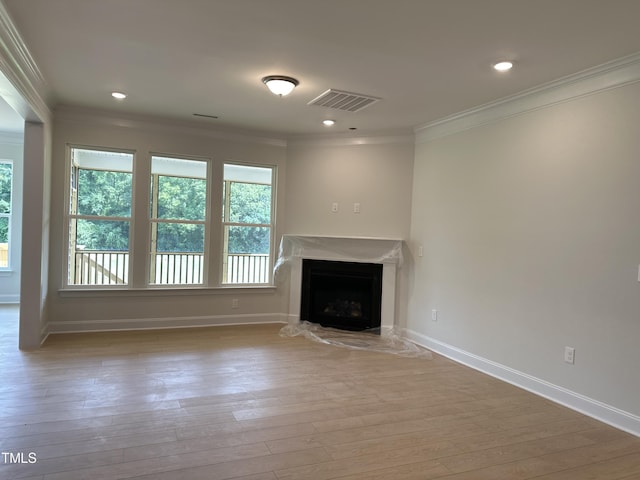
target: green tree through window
<point>103,194</point>
<point>249,203</point>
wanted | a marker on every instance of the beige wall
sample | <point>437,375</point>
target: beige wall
<point>135,309</point>
<point>531,231</point>
<point>378,176</point>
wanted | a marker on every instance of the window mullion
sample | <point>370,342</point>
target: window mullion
<point>225,240</point>
<point>140,222</point>
<point>236,224</point>
<point>153,227</point>
<point>98,217</point>
<point>216,205</point>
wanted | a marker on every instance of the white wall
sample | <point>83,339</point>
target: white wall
<point>81,311</point>
<point>531,230</point>
<point>11,149</point>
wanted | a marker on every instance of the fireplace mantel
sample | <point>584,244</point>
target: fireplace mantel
<point>388,252</point>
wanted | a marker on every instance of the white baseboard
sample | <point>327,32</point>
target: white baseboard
<point>593,408</point>
<point>163,323</point>
<point>44,333</point>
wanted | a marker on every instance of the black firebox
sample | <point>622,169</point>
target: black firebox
<point>345,295</point>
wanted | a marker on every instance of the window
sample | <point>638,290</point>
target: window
<point>178,220</point>
<point>247,224</point>
<point>99,215</point>
<point>6,179</point>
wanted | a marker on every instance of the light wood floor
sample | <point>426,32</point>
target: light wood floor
<point>244,403</point>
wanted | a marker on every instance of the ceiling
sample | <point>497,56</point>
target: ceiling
<point>426,59</point>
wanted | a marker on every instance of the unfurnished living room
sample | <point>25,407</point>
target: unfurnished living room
<point>293,239</point>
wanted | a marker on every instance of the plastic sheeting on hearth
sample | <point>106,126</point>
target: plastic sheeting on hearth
<point>385,341</point>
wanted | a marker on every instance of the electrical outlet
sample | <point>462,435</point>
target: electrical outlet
<point>356,208</point>
<point>235,303</point>
<point>569,355</point>
<point>334,207</point>
<point>434,315</point>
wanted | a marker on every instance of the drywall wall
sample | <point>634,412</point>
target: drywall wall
<point>531,233</point>
<point>36,223</point>
<point>377,176</point>
<point>138,308</point>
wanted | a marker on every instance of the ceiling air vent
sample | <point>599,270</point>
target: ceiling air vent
<point>339,100</point>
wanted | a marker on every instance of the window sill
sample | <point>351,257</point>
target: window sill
<point>164,292</point>
<point>6,273</point>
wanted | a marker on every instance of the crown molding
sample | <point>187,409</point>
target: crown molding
<point>68,113</point>
<point>23,86</point>
<point>338,140</point>
<point>614,74</point>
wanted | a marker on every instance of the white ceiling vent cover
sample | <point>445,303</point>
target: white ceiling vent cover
<point>347,101</point>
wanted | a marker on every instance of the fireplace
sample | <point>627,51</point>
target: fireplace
<point>296,249</point>
<point>345,295</point>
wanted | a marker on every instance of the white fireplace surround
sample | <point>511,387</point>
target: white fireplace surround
<point>295,248</point>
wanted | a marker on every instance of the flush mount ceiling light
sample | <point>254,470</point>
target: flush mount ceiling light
<point>119,95</point>
<point>329,123</point>
<point>280,85</point>
<point>503,66</point>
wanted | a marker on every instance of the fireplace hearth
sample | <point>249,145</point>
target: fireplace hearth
<point>344,295</point>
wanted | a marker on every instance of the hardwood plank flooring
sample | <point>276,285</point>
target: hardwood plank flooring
<point>243,403</point>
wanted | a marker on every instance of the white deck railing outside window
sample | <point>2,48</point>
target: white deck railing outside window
<point>93,267</point>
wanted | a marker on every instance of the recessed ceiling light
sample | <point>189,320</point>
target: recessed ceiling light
<point>119,95</point>
<point>503,66</point>
<point>329,123</point>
